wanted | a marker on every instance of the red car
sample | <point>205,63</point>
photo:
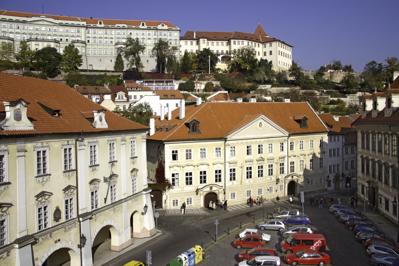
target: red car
<point>308,257</point>
<point>252,241</point>
<point>252,253</point>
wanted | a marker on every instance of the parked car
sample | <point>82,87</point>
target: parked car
<point>253,241</point>
<point>253,231</point>
<point>296,220</point>
<point>286,213</point>
<point>305,229</point>
<point>383,260</point>
<point>272,225</point>
<point>134,263</point>
<point>364,222</point>
<point>355,220</point>
<point>334,207</point>
<point>381,249</point>
<point>364,236</point>
<point>345,211</point>
<point>380,240</point>
<point>255,252</point>
<point>262,260</point>
<point>364,228</point>
<point>308,257</point>
<point>345,217</point>
<point>298,242</point>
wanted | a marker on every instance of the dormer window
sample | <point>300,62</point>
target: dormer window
<point>302,121</point>
<point>142,24</point>
<point>193,126</point>
<point>100,22</point>
<point>16,116</point>
<point>99,119</point>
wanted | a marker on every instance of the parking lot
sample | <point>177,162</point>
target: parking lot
<point>343,248</point>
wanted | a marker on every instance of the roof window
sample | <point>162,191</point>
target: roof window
<point>16,117</point>
<point>193,126</point>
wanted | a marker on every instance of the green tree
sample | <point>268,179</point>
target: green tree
<point>392,65</point>
<point>209,87</point>
<point>295,71</point>
<point>119,65</point>
<point>48,61</point>
<point>74,78</point>
<point>373,76</point>
<point>187,62</point>
<point>132,52</point>
<point>6,51</point>
<point>25,56</point>
<point>263,72</point>
<point>161,51</point>
<point>140,113</point>
<point>244,61</point>
<point>187,86</point>
<point>347,68</point>
<point>71,59</point>
<point>350,83</point>
<point>205,59</point>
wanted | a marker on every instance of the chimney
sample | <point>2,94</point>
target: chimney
<point>162,113</point>
<point>182,110</point>
<point>395,75</point>
<point>239,100</point>
<point>169,113</point>
<point>195,35</point>
<point>199,101</point>
<point>152,126</point>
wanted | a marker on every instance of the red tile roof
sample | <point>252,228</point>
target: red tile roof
<point>75,109</point>
<point>169,94</point>
<point>107,22</point>
<point>218,119</point>
<point>92,90</point>
<point>380,119</point>
<point>344,122</point>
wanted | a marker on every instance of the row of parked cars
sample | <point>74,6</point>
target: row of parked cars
<point>298,242</point>
<point>382,250</point>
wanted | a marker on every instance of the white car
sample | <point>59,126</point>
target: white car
<point>253,231</point>
<point>286,213</point>
<point>299,229</point>
<point>261,260</point>
<point>272,225</point>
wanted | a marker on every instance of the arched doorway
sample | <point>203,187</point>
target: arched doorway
<point>211,196</point>
<point>62,257</point>
<point>132,223</point>
<point>291,188</point>
<point>156,198</point>
<point>103,241</point>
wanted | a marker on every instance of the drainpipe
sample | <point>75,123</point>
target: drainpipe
<point>287,164</point>
<point>225,169</point>
<point>78,139</point>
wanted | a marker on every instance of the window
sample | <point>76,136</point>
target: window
<point>311,144</point>
<point>3,168</point>
<point>189,178</point>
<point>249,172</point>
<point>291,146</point>
<point>202,177</point>
<point>175,203</point>
<point>352,164</point>
<point>218,175</point>
<point>132,148</point>
<point>301,165</point>
<point>260,149</point>
<point>68,208</point>
<point>175,179</point>
<point>292,167</point>
<point>94,199</point>
<point>270,169</point>
<point>386,201</point>
<point>394,147</point>
<point>93,154</point>
<point>3,231</point>
<point>301,145</point>
<point>218,152</point>
<point>281,146</point>
<point>282,168</point>
<point>260,192</point>
<point>232,174</point>
<point>232,151</point>
<point>346,165</point>
<point>260,170</point>
<point>203,153</point>
<point>67,158</point>
<point>321,163</point>
<point>270,148</point>
<point>41,162</point>
<point>134,183</point>
<point>232,195</point>
<point>42,217</point>
<point>189,201</point>
<point>112,189</point>
<point>249,150</point>
<point>175,156</point>
<point>111,150</point>
<point>311,164</point>
<point>189,155</point>
<point>248,193</point>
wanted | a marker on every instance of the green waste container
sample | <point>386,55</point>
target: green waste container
<point>175,262</point>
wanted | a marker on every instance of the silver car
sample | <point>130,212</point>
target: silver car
<point>383,259</point>
<point>382,249</point>
<point>286,213</point>
<point>303,229</point>
<point>272,225</point>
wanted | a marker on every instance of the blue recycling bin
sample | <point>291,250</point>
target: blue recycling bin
<point>190,256</point>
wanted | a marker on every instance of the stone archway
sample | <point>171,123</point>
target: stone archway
<point>156,198</point>
<point>135,213</point>
<point>210,196</point>
<point>291,188</point>
<point>62,257</point>
<point>105,238</point>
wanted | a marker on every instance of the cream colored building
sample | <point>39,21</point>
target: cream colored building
<point>234,151</point>
<point>98,40</point>
<point>224,44</point>
<point>73,177</point>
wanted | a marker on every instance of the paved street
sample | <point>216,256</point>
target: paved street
<point>183,232</point>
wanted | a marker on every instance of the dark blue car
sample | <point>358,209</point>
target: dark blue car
<point>297,220</point>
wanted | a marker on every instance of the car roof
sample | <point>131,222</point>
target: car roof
<point>309,236</point>
<point>263,258</point>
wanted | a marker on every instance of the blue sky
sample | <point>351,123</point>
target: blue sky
<point>353,31</point>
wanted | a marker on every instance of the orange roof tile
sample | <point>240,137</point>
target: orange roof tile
<point>87,90</point>
<point>75,109</point>
<point>169,94</point>
<point>218,119</point>
<point>344,122</point>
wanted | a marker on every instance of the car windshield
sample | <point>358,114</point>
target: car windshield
<point>299,253</point>
<point>251,262</point>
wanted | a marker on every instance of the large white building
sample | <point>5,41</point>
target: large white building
<point>98,40</point>
<point>73,176</point>
<point>224,44</point>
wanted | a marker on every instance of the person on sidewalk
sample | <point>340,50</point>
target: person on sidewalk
<point>225,205</point>
<point>291,199</point>
<point>183,208</point>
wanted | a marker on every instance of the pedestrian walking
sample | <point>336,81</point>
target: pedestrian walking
<point>290,199</point>
<point>183,208</point>
<point>225,205</point>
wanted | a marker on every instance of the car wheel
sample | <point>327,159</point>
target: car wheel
<point>238,246</point>
<point>295,263</point>
<point>321,263</point>
<point>262,228</point>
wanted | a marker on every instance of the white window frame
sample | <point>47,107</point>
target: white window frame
<point>133,148</point>
<point>93,154</point>
<point>292,145</point>
<point>174,179</point>
<point>301,165</point>
<point>260,171</point>
<point>218,175</point>
<point>176,153</point>
<point>44,164</point>
<point>189,154</point>
<point>94,198</point>
<point>112,151</point>
<point>270,169</point>
<point>202,177</point>
<point>282,168</point>
<point>249,150</point>
<point>260,191</point>
<point>43,222</point>
<point>175,203</point>
<point>301,145</point>
<point>311,144</point>
<point>292,167</point>
<point>260,148</point>
<point>202,153</point>
<point>189,201</point>
<point>188,176</point>
<point>232,151</point>
<point>218,152</point>
<point>4,167</point>
<point>3,230</point>
<point>134,183</point>
<point>112,192</point>
<point>68,208</point>
<point>249,192</point>
<point>248,172</point>
<point>232,195</point>
<point>67,156</point>
<point>270,147</point>
<point>281,146</point>
<point>232,174</point>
